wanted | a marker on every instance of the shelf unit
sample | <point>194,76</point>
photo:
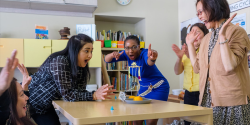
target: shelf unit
<point>117,72</point>
<point>135,25</point>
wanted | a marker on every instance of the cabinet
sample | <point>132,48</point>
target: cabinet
<point>7,46</point>
<point>33,52</point>
<point>36,51</point>
<point>58,45</point>
<point>96,55</point>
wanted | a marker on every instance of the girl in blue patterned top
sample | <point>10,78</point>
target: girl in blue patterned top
<point>152,81</point>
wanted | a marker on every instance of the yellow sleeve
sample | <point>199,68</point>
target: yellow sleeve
<point>184,57</point>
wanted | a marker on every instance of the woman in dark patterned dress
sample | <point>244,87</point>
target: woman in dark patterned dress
<point>63,74</point>
<point>222,63</point>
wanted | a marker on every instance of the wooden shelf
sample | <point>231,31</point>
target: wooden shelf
<point>112,49</point>
<point>118,19</point>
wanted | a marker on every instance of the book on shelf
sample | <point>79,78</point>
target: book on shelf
<point>113,81</point>
<point>123,65</point>
<point>126,83</point>
<point>110,66</point>
<point>115,35</point>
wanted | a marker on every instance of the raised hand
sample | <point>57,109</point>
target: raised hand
<point>152,54</point>
<point>26,77</point>
<point>103,92</point>
<point>191,37</point>
<point>177,51</point>
<point>117,55</point>
<point>7,73</point>
<point>181,52</point>
<point>223,29</point>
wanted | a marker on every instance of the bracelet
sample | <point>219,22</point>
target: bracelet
<point>152,60</point>
<point>223,42</point>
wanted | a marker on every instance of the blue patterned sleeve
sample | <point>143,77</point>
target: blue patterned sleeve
<point>60,69</point>
<point>123,57</point>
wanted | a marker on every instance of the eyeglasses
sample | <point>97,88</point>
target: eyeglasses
<point>132,48</point>
<point>199,12</point>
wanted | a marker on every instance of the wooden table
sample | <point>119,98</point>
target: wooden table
<point>93,112</point>
<point>174,98</point>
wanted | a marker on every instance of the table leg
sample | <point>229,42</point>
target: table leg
<point>205,119</point>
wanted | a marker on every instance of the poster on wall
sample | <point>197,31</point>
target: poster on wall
<point>87,29</point>
<point>241,4</point>
<point>240,20</point>
<point>185,28</point>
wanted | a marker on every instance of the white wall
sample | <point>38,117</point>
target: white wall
<point>161,28</point>
<point>16,25</point>
<point>162,32</point>
<point>140,28</point>
<point>124,27</point>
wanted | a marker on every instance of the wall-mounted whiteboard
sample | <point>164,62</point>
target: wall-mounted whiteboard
<point>88,29</point>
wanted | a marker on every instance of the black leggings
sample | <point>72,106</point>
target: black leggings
<point>191,98</point>
<point>49,118</point>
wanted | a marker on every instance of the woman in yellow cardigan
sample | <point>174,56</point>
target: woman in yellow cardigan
<point>222,64</point>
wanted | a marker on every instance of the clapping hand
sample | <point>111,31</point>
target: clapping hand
<point>26,77</point>
<point>7,73</point>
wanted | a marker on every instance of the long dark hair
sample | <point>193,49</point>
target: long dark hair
<point>72,49</point>
<point>202,27</point>
<point>14,119</point>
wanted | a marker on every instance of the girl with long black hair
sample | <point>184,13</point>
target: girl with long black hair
<point>63,74</point>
